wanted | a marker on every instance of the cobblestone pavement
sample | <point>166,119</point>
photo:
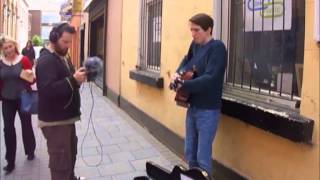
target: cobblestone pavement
<point>126,146</point>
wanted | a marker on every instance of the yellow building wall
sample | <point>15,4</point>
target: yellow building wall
<point>250,151</point>
<point>75,45</point>
<point>113,47</point>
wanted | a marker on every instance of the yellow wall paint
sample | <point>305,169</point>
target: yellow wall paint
<point>75,48</point>
<point>252,152</point>
<point>113,47</point>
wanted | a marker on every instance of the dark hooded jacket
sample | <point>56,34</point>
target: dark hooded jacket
<point>59,97</point>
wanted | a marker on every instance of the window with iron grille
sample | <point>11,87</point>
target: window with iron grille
<point>265,40</point>
<point>150,35</point>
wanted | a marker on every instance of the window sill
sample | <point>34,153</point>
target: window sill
<point>149,78</point>
<point>272,117</point>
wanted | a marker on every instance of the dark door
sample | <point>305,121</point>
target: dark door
<point>82,36</point>
<point>97,44</point>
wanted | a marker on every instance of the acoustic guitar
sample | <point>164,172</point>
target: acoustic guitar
<point>182,97</point>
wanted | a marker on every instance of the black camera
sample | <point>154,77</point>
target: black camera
<point>93,66</point>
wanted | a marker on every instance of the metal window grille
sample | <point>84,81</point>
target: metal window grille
<point>265,40</point>
<point>150,35</point>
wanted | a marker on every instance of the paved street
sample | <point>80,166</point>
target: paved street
<point>126,146</point>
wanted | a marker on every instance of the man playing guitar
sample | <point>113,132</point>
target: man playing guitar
<point>206,58</point>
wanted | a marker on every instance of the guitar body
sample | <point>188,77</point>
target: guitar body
<point>182,97</point>
<point>156,172</point>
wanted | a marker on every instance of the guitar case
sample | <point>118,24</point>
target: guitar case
<point>156,172</point>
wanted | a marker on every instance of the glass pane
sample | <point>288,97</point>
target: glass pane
<point>154,34</point>
<point>266,51</point>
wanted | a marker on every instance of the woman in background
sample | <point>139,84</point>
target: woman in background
<point>29,52</point>
<point>12,67</point>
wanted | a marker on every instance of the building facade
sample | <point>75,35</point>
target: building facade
<point>23,23</point>
<point>9,18</point>
<point>74,8</point>
<point>14,20</point>
<point>1,17</point>
<point>49,18</point>
<point>100,35</point>
<point>35,18</point>
<point>97,31</point>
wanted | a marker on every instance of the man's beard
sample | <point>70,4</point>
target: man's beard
<point>61,52</point>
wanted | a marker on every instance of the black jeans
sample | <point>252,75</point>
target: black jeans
<point>62,148</point>
<point>9,110</point>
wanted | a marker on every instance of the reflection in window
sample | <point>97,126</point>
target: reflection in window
<point>266,46</point>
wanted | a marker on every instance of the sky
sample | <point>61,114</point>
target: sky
<point>46,5</point>
<point>50,13</point>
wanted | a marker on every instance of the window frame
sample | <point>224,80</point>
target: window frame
<point>147,61</point>
<point>222,31</point>
<point>276,115</point>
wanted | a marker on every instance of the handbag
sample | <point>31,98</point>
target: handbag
<point>29,101</point>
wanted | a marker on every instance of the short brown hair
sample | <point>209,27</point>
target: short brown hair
<point>202,20</point>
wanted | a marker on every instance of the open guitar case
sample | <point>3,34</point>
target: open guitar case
<point>156,172</point>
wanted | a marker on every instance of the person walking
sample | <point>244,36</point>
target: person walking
<point>28,51</point>
<point>12,67</point>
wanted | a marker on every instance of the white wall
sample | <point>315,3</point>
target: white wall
<point>22,23</point>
